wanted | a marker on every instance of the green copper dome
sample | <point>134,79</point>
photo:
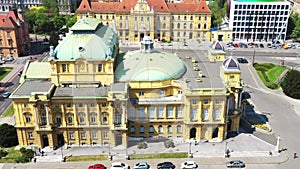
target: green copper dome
<point>149,66</point>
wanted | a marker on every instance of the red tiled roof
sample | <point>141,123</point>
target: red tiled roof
<point>84,7</point>
<point>158,5</point>
<point>9,20</point>
<point>125,6</point>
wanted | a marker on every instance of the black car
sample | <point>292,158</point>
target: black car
<point>165,165</point>
<point>242,60</point>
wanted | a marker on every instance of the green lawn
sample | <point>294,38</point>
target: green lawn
<point>4,71</point>
<point>9,111</point>
<point>87,158</point>
<point>12,155</point>
<point>155,156</point>
<point>269,73</point>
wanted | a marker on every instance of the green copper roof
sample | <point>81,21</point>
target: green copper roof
<point>154,66</point>
<point>88,39</point>
<point>38,70</point>
<point>86,24</point>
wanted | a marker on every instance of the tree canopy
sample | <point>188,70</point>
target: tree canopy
<point>291,84</point>
<point>218,9</point>
<point>8,135</point>
<point>293,29</point>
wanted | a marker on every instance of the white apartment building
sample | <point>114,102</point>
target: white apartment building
<point>258,20</point>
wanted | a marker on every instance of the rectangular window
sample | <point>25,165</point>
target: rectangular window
<point>30,136</point>
<point>69,105</point>
<point>42,106</point>
<point>170,111</point>
<point>205,101</point>
<point>103,104</point>
<point>218,101</point>
<point>25,105</point>
<point>179,111</point>
<point>162,93</point>
<point>80,105</point>
<point>64,67</point>
<point>231,77</point>
<point>58,120</point>
<point>27,118</point>
<point>194,101</point>
<point>71,136</point>
<point>160,112</point>
<point>94,135</point>
<point>56,105</point>
<point>141,112</point>
<point>100,67</point>
<point>151,112</point>
<point>82,135</point>
<point>70,120</point>
<point>131,113</point>
<point>141,93</point>
<point>205,115</point>
<point>92,105</point>
<point>105,135</point>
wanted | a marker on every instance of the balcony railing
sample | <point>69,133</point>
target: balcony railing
<point>161,100</point>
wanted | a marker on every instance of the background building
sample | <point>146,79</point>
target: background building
<point>64,6</point>
<point>88,94</point>
<point>14,35</point>
<point>258,20</point>
<point>161,20</point>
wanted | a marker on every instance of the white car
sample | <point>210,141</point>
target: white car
<point>231,48</point>
<point>189,165</point>
<point>119,165</point>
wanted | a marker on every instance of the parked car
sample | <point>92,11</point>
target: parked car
<point>97,166</point>
<point>141,165</point>
<point>242,60</point>
<point>165,165</point>
<point>235,164</point>
<point>261,45</point>
<point>9,58</point>
<point>119,165</point>
<point>269,45</point>
<point>6,94</point>
<point>189,165</point>
<point>2,62</point>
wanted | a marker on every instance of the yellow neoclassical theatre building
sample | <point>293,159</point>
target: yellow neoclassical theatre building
<point>159,19</point>
<point>88,94</point>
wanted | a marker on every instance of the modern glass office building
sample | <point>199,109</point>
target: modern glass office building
<point>258,20</point>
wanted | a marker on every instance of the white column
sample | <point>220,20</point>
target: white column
<point>36,116</point>
<point>47,115</point>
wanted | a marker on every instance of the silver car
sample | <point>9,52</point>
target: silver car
<point>235,164</point>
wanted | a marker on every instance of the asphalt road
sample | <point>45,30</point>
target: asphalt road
<point>5,102</point>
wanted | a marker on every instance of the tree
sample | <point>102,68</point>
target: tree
<point>51,5</point>
<point>291,84</point>
<point>293,29</point>
<point>58,21</point>
<point>54,37</point>
<point>70,20</point>
<point>218,9</point>
<point>8,135</point>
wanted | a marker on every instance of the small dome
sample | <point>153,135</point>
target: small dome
<point>217,46</point>
<point>231,63</point>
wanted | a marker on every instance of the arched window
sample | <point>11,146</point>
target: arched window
<point>27,118</point>
<point>205,115</point>
<point>179,129</point>
<point>93,117</point>
<point>121,25</point>
<point>81,118</point>
<point>164,25</point>
<point>170,129</point>
<point>104,118</point>
<point>142,129</point>
<point>172,25</point>
<point>160,129</point>
<point>132,129</point>
<point>191,26</point>
<point>151,129</point>
<point>178,25</point>
<point>217,114</point>
<point>204,26</point>
<point>191,17</point>
<point>199,26</point>
<point>70,119</point>
<point>184,26</point>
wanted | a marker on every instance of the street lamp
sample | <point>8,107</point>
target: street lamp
<point>62,154</point>
<point>190,150</point>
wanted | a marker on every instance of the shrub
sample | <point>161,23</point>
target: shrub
<point>142,145</point>
<point>27,155</point>
<point>169,143</point>
<point>272,86</point>
<point>291,84</point>
<point>3,153</point>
